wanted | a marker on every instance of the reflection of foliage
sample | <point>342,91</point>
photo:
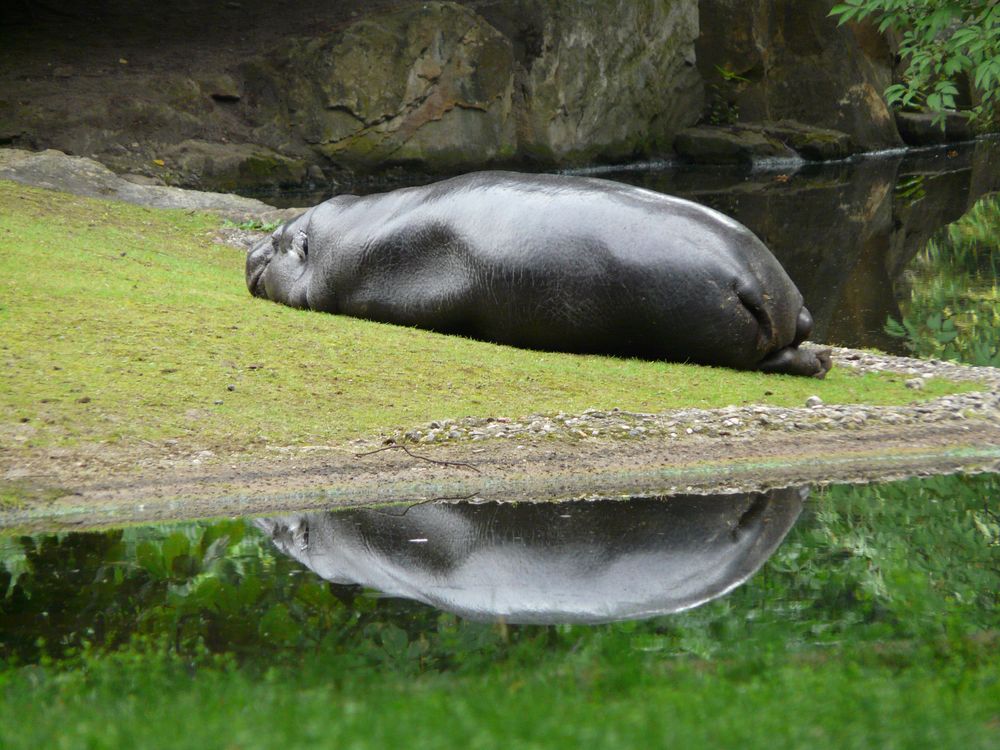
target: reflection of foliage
<point>911,189</point>
<point>941,40</point>
<point>954,306</point>
<point>885,562</point>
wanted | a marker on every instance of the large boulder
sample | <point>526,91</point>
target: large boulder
<point>431,83</point>
<point>788,60</point>
<point>920,128</point>
<point>608,81</point>
<point>747,144</point>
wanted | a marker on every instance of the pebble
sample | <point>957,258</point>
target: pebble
<point>814,401</point>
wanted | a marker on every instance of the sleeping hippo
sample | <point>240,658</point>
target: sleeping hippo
<point>549,262</point>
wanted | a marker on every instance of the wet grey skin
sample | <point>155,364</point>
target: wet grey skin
<point>547,262</point>
<point>541,563</point>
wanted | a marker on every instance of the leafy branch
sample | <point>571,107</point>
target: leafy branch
<point>941,40</point>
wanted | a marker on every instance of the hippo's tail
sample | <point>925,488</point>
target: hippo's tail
<point>792,360</point>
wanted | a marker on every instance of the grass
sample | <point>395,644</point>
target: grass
<point>123,324</point>
<point>624,699</point>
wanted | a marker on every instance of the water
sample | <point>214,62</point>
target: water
<point>813,567</point>
<point>848,233</point>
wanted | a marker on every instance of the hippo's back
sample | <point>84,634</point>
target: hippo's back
<point>553,262</point>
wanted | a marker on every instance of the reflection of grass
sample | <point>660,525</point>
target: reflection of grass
<point>124,324</point>
<point>543,700</point>
<point>874,625</point>
<point>954,306</point>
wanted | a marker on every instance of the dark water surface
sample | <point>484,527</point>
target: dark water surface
<point>847,233</point>
<point>426,585</point>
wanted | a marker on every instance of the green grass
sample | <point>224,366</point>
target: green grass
<point>123,323</point>
<point>622,699</point>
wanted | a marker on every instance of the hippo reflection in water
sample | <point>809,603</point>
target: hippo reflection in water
<point>570,562</point>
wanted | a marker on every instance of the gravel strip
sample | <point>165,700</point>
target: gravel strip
<point>742,421</point>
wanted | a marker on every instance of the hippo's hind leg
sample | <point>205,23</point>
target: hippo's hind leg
<point>794,361</point>
<point>791,360</point>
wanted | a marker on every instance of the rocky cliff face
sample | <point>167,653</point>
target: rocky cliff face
<point>262,94</point>
<point>607,81</point>
<point>438,86</point>
<point>768,60</point>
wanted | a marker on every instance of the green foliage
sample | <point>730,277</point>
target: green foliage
<point>942,41</point>
<point>721,108</point>
<point>954,307</point>
<point>730,75</point>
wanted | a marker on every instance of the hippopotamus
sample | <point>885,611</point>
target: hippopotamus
<point>551,262</point>
<point>586,561</point>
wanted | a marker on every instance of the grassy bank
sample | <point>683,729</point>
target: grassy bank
<point>123,323</point>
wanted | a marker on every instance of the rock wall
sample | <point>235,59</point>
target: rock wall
<point>439,87</point>
<point>261,94</point>
<point>431,86</point>
<point>767,60</point>
<point>608,81</point>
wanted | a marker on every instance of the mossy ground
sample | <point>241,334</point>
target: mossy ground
<point>123,323</point>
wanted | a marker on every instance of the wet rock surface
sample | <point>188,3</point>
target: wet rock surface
<point>55,170</point>
<point>750,143</point>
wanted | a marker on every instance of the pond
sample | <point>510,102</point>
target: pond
<point>863,239</point>
<point>893,576</point>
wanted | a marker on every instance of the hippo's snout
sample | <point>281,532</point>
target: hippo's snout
<point>257,262</point>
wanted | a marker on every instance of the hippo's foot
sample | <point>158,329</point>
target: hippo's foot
<point>794,361</point>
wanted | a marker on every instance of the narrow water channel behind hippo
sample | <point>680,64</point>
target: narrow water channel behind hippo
<point>845,232</point>
<point>685,574</point>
